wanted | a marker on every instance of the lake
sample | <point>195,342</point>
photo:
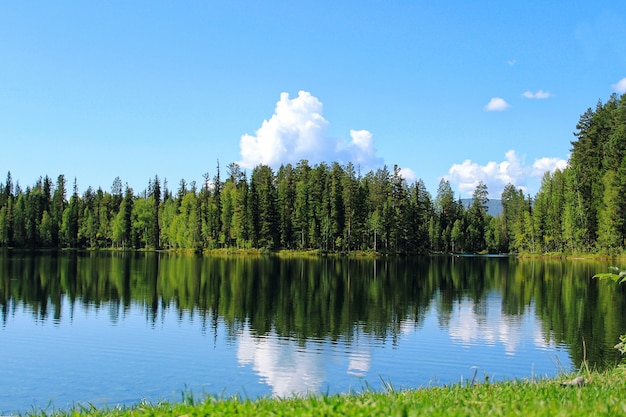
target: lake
<point>107,328</point>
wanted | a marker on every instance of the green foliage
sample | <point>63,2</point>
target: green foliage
<point>617,276</point>
<point>328,208</point>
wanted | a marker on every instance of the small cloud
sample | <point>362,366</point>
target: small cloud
<point>543,165</point>
<point>511,62</point>
<point>540,94</point>
<point>297,130</point>
<point>620,86</point>
<point>360,150</point>
<point>408,174</point>
<point>497,104</point>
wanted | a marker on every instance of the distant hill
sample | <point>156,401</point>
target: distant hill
<point>494,207</point>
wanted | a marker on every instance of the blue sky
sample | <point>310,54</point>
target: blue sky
<point>469,91</point>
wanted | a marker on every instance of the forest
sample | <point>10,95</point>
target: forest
<point>336,208</point>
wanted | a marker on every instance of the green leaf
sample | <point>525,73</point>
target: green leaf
<point>607,275</point>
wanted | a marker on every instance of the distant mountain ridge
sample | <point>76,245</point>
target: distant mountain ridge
<point>494,207</point>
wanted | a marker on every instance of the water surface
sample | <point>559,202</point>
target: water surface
<point>114,328</point>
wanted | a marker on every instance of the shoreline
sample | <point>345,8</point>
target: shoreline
<point>317,253</point>
<point>582,394</point>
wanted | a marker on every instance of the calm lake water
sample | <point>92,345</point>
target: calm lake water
<point>114,328</point>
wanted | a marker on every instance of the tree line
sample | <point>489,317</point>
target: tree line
<point>335,208</point>
<point>323,207</point>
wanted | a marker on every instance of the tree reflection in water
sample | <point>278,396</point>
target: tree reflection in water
<point>272,308</point>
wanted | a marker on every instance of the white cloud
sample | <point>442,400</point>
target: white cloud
<point>408,174</point>
<point>361,149</point>
<point>539,94</point>
<point>511,62</point>
<point>620,86</point>
<point>497,104</point>
<point>543,165</point>
<point>496,175</point>
<point>297,130</point>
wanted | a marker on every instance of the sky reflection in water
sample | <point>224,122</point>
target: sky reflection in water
<point>84,358</point>
<point>113,333</point>
<point>441,350</point>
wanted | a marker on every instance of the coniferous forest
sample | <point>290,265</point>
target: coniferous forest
<point>581,209</point>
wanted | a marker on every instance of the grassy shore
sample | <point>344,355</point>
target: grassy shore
<point>601,395</point>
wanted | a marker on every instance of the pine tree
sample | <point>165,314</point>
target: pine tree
<point>422,213</point>
<point>302,210</point>
<point>286,182</point>
<point>216,210</point>
<point>155,232</point>
<point>476,219</point>
<point>263,197</point>
<point>350,196</point>
<point>337,209</point>
<point>447,211</point>
<point>512,200</point>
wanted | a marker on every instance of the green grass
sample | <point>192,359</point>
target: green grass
<point>602,396</point>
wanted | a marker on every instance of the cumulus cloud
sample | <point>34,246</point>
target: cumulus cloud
<point>297,130</point>
<point>496,175</point>
<point>539,94</point>
<point>497,104</point>
<point>620,86</point>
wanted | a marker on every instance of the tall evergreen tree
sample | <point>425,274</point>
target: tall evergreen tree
<point>512,201</point>
<point>302,210</point>
<point>400,212</point>
<point>216,212</point>
<point>122,227</point>
<point>264,203</point>
<point>7,192</point>
<point>337,209</point>
<point>422,203</point>
<point>58,207</point>
<point>155,228</point>
<point>350,189</point>
<point>476,219</point>
<point>448,212</point>
<point>70,220</point>
<point>286,182</point>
